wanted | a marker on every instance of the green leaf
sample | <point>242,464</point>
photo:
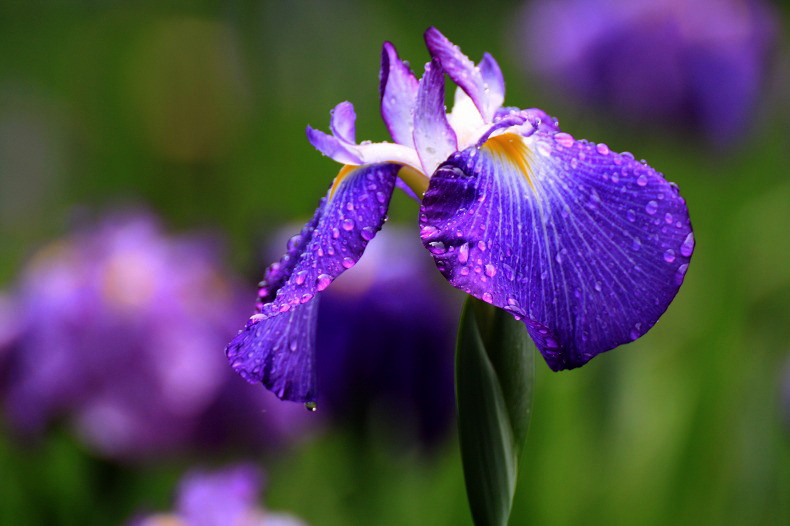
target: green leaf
<point>494,371</point>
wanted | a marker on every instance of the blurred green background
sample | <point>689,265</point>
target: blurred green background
<point>198,110</point>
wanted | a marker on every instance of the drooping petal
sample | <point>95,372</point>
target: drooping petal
<point>343,122</point>
<point>398,88</point>
<point>277,345</point>
<point>358,154</point>
<point>466,74</point>
<point>333,147</point>
<point>587,246</point>
<point>434,138</point>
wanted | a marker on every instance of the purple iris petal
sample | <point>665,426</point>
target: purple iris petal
<point>493,82</point>
<point>697,65</point>
<point>398,90</point>
<point>333,147</point>
<point>277,345</point>
<point>465,73</point>
<point>434,138</point>
<point>587,246</point>
<point>222,497</point>
<point>343,121</point>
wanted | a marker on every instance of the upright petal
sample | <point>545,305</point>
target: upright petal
<point>398,88</point>
<point>493,81</point>
<point>466,74</point>
<point>434,138</point>
<point>277,345</point>
<point>587,246</point>
<point>343,122</point>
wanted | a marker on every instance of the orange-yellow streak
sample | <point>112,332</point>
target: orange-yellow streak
<point>511,148</point>
<point>347,169</point>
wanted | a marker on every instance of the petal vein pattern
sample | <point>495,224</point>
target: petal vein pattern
<point>587,246</point>
<point>277,345</point>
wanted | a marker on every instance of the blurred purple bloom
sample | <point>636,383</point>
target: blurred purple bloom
<point>385,342</point>
<point>586,246</point>
<point>227,497</point>
<point>120,328</point>
<point>700,64</point>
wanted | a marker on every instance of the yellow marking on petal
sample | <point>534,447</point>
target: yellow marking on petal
<point>414,179</point>
<point>510,147</point>
<point>347,169</point>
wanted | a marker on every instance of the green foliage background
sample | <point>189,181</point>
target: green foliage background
<point>198,110</point>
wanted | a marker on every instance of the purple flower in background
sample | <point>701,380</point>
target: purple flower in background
<point>587,246</point>
<point>700,64</point>
<point>118,328</point>
<point>385,342</point>
<point>227,497</point>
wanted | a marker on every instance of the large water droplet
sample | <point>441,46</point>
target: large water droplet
<point>437,247</point>
<point>487,297</point>
<point>463,253</point>
<point>641,180</point>
<point>323,281</point>
<point>688,245</point>
<point>564,139</point>
<point>348,224</point>
<point>348,262</point>
<point>669,255</point>
<point>300,276</point>
<point>490,270</point>
<point>651,207</point>
<point>602,149</point>
<point>367,233</point>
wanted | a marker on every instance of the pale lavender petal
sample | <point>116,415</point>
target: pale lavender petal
<point>333,147</point>
<point>398,88</point>
<point>587,246</point>
<point>342,122</point>
<point>434,138</point>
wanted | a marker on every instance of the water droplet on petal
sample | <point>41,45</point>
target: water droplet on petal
<point>487,297</point>
<point>641,180</point>
<point>463,253</point>
<point>630,215</point>
<point>300,276</point>
<point>598,286</point>
<point>348,262</point>
<point>367,233</point>
<point>564,139</point>
<point>348,224</point>
<point>651,207</point>
<point>669,255</point>
<point>323,281</point>
<point>688,245</point>
<point>490,270</point>
<point>437,247</point>
<point>310,406</point>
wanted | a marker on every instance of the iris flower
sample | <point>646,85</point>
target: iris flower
<point>586,246</point>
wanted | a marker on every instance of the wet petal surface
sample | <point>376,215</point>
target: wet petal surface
<point>587,246</point>
<point>434,138</point>
<point>277,345</point>
<point>398,95</point>
<point>468,76</point>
